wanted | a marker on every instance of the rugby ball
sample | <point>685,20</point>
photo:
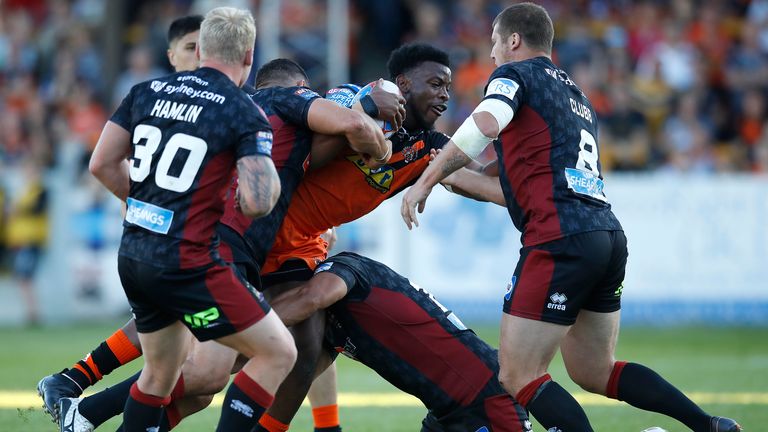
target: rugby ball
<point>386,126</point>
<point>654,429</point>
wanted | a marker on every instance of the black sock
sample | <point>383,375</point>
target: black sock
<point>107,403</point>
<point>78,376</point>
<point>244,404</point>
<point>142,411</point>
<point>552,406</point>
<point>643,388</point>
<point>329,429</point>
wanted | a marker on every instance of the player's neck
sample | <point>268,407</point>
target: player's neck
<point>234,73</point>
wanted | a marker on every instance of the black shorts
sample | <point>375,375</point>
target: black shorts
<point>293,270</point>
<point>555,280</point>
<point>233,249</point>
<point>493,414</point>
<point>213,301</point>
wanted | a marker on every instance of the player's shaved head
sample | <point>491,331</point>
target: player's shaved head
<point>410,56</point>
<point>530,21</point>
<point>282,72</point>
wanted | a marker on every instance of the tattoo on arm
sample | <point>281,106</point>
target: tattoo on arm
<point>257,176</point>
<point>454,162</point>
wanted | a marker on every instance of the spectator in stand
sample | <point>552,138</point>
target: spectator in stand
<point>624,134</point>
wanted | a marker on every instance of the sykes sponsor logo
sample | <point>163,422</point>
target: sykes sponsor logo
<point>241,407</point>
<point>149,216</point>
<point>193,93</point>
<point>157,85</point>
<point>558,301</point>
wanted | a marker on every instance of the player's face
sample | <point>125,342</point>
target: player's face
<point>181,53</point>
<point>427,95</point>
<point>500,49</point>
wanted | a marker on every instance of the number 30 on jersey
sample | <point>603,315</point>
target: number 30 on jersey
<point>147,139</point>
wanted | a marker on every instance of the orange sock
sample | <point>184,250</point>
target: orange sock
<point>326,416</point>
<point>269,423</point>
<point>122,347</point>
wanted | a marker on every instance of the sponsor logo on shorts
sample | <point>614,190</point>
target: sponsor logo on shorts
<point>241,407</point>
<point>483,429</point>
<point>153,429</point>
<point>558,301</point>
<point>510,288</point>
<point>203,319</point>
<point>528,426</point>
<point>619,290</point>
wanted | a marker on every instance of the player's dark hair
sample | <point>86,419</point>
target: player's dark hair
<point>412,55</point>
<point>279,70</point>
<point>530,21</point>
<point>181,27</point>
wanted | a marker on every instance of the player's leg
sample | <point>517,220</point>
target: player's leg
<point>118,349</point>
<point>164,353</point>
<point>272,353</point>
<point>588,353</point>
<point>323,399</point>
<point>523,372</point>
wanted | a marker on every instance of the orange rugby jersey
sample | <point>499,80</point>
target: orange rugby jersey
<point>344,190</point>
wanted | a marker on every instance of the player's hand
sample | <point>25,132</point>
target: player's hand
<point>372,162</point>
<point>433,154</point>
<point>415,199</point>
<point>391,106</point>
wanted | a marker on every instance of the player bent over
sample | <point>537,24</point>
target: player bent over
<point>566,289</point>
<point>169,264</point>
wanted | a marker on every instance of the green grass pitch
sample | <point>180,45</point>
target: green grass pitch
<point>724,368</point>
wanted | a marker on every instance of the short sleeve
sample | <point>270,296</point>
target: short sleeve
<point>292,104</point>
<point>122,115</point>
<point>506,85</point>
<point>436,140</point>
<point>255,132</point>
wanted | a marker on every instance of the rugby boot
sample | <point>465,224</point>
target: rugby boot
<point>723,424</point>
<point>71,420</point>
<point>54,387</point>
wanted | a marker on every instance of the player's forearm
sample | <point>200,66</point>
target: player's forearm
<point>450,159</point>
<point>365,136</point>
<point>477,186</point>
<point>259,185</point>
<point>114,176</point>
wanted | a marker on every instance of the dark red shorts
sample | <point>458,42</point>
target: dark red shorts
<point>553,281</point>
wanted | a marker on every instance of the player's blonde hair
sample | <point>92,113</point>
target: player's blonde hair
<point>226,34</point>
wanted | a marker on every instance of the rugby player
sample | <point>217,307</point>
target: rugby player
<point>168,262</point>
<point>566,289</point>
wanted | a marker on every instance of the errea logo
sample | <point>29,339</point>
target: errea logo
<point>157,85</point>
<point>557,301</point>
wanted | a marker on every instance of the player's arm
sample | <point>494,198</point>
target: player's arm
<point>475,185</point>
<point>109,162</point>
<point>478,130</point>
<point>296,305</point>
<point>258,185</point>
<point>362,132</point>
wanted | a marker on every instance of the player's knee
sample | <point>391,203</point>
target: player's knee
<point>588,379</point>
<point>284,354</point>
<point>509,380</point>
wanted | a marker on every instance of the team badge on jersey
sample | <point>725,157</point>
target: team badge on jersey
<point>502,87</point>
<point>410,153</point>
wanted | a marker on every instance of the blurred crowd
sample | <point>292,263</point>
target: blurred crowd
<point>678,85</point>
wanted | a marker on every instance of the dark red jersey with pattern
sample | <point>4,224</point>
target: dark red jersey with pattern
<point>187,131</point>
<point>287,109</point>
<point>400,331</point>
<point>548,154</point>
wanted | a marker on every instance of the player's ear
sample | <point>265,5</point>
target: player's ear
<point>514,41</point>
<point>403,83</point>
<point>197,51</point>
<point>248,57</point>
<point>171,57</point>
